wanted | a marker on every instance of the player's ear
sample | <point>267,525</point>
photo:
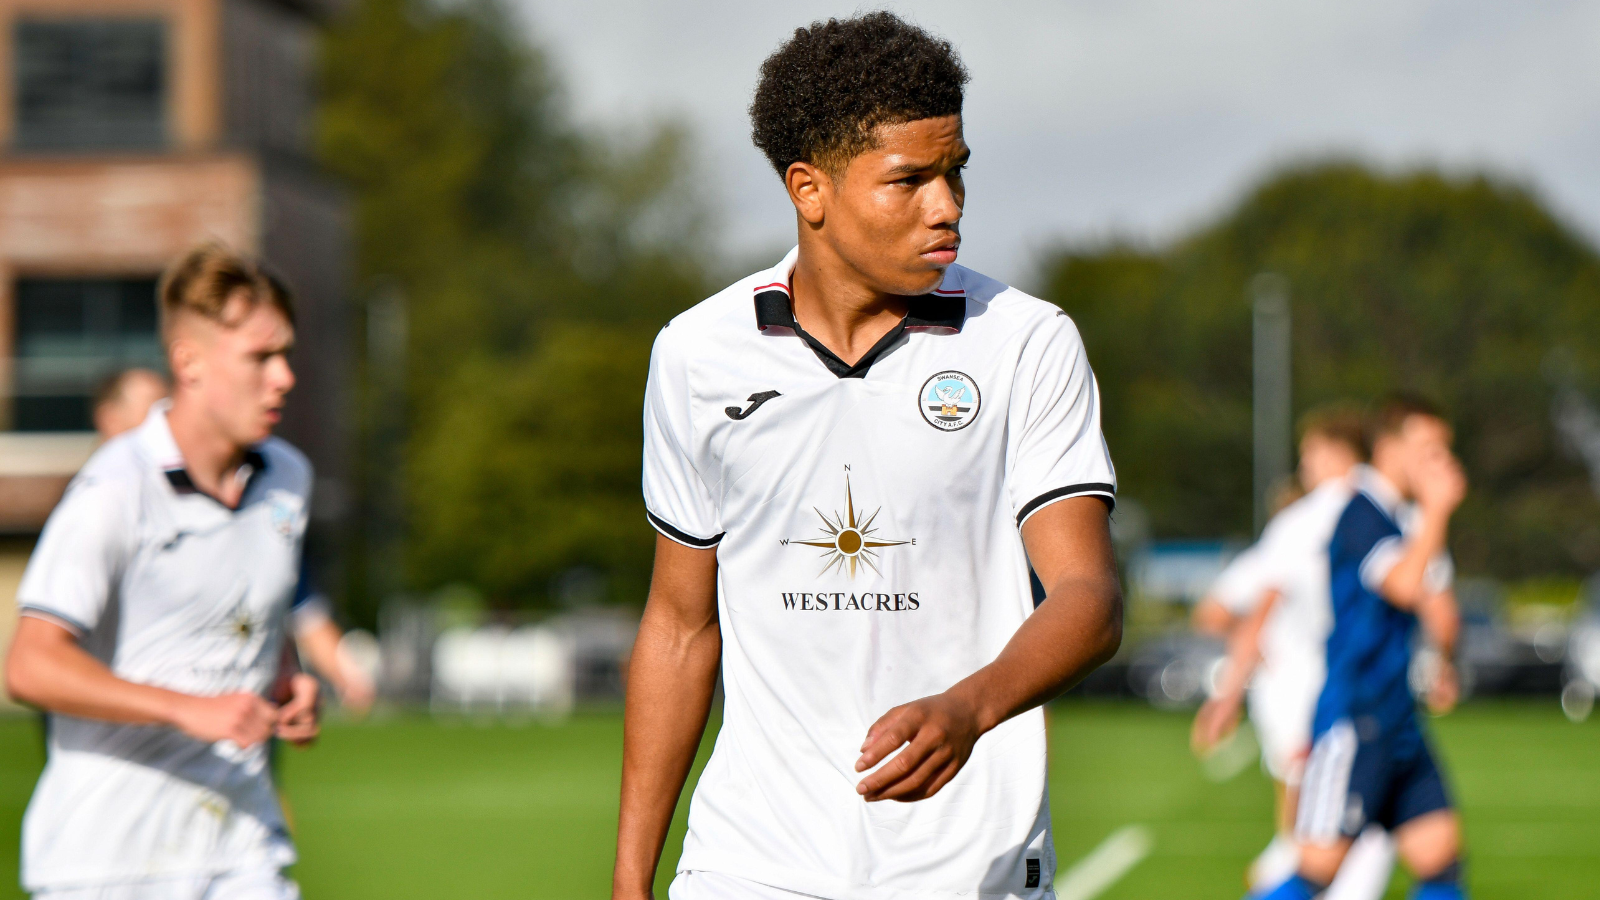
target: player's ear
<point>807,186</point>
<point>183,356</point>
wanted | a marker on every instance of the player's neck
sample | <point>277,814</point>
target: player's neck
<point>1394,474</point>
<point>211,458</point>
<point>834,303</point>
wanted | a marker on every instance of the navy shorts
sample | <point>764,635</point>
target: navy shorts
<point>1353,780</point>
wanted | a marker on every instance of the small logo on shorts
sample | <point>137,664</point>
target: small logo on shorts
<point>1354,816</point>
<point>949,401</point>
<point>1033,874</point>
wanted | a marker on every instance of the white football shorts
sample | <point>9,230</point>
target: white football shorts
<point>693,885</point>
<point>249,884</point>
<point>1281,710</point>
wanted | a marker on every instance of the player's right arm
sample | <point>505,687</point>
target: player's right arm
<point>47,668</point>
<point>1219,715</point>
<point>70,578</point>
<point>1212,619</point>
<point>671,677</point>
<point>1440,488</point>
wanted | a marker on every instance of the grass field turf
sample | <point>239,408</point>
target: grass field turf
<point>412,808</point>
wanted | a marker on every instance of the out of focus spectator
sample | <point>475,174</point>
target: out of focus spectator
<point>123,400</point>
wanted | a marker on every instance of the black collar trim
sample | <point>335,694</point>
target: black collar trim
<point>182,483</point>
<point>942,312</point>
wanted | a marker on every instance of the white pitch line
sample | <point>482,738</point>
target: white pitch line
<point>1115,857</point>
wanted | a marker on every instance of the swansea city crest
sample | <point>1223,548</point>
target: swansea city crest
<point>949,401</point>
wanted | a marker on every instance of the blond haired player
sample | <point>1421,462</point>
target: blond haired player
<point>153,620</point>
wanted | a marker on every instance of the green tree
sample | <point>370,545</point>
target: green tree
<point>535,262</point>
<point>1459,288</point>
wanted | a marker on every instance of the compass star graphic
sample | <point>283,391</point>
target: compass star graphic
<point>848,541</point>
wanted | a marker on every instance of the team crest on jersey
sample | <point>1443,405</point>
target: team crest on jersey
<point>949,401</point>
<point>284,509</point>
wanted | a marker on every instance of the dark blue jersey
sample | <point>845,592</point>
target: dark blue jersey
<point>1369,648</point>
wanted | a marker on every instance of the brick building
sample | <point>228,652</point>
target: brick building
<point>131,130</point>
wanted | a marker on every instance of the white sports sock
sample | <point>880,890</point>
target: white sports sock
<point>1366,869</point>
<point>1276,863</point>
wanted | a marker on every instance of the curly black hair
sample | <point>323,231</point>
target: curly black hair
<point>823,92</point>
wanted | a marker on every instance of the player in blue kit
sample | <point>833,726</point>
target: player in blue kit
<point>1389,573</point>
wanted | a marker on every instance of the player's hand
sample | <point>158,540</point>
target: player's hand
<point>934,736</point>
<point>356,690</point>
<point>1444,691</point>
<point>297,718</point>
<point>244,718</point>
<point>1441,484</point>
<point>1217,719</point>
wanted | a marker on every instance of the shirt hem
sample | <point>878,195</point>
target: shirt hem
<point>827,886</point>
<point>75,877</point>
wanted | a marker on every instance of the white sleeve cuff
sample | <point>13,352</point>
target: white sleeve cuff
<point>1440,576</point>
<point>1106,492</point>
<point>55,618</point>
<point>677,534</point>
<point>1380,561</point>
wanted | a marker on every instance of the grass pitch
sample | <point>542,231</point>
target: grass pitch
<point>413,808</point>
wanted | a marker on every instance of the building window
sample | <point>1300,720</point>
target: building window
<point>71,334</point>
<point>90,84</point>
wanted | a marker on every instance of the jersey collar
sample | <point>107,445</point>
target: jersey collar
<point>156,437</point>
<point>1382,491</point>
<point>942,311</point>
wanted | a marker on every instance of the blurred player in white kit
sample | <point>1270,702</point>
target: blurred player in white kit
<point>1273,604</point>
<point>123,401</point>
<point>153,621</point>
<point>121,404</point>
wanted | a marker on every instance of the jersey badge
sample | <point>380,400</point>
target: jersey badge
<point>949,401</point>
<point>284,509</point>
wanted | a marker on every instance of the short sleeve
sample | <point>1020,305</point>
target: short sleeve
<point>1242,582</point>
<point>676,499</point>
<point>1440,575</point>
<point>75,568</point>
<point>310,606</point>
<point>1058,450</point>
<point>1368,540</point>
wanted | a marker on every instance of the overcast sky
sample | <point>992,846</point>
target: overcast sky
<point>1089,118</point>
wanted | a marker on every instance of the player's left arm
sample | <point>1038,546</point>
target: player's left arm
<point>1440,618</point>
<point>1075,630</point>
<point>295,692</point>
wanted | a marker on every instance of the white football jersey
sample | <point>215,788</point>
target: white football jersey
<point>866,522</point>
<point>1292,558</point>
<point>168,587</point>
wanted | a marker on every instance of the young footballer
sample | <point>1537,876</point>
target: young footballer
<point>153,618</point>
<point>1274,606</point>
<point>121,404</point>
<point>1388,574</point>
<point>852,458</point>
